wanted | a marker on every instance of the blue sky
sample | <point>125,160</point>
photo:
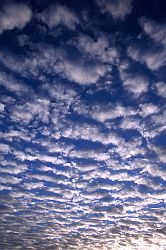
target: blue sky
<point>83,124</point>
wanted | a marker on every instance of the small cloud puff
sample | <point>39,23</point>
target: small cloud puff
<point>14,15</point>
<point>161,89</point>
<point>59,15</point>
<point>119,9</point>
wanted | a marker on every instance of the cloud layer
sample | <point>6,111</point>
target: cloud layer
<point>82,112</point>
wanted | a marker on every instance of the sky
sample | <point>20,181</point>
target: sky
<point>83,125</point>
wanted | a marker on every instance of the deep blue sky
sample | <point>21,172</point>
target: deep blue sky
<point>83,125</point>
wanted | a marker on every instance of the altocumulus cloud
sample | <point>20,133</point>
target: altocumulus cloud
<point>14,15</point>
<point>82,116</point>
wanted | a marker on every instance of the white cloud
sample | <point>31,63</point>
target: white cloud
<point>161,153</point>
<point>33,185</point>
<point>159,119</point>
<point>3,187</point>
<point>148,109</point>
<point>53,61</point>
<point>86,167</point>
<point>8,179</point>
<point>2,107</point>
<point>103,113</point>
<point>89,154</point>
<point>153,58</point>
<point>153,169</point>
<point>79,71</point>
<point>12,167</point>
<point>134,83</point>
<point>43,59</point>
<point>154,30</point>
<point>130,123</point>
<point>62,93</point>
<point>59,15</point>
<point>28,111</point>
<point>91,133</point>
<point>161,89</point>
<point>11,84</point>
<point>12,134</point>
<point>96,49</point>
<point>119,9</point>
<point>14,15</point>
<point>5,148</point>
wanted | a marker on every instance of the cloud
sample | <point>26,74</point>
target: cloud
<point>154,30</point>
<point>161,154</point>
<point>161,89</point>
<point>98,49</point>
<point>119,9</point>
<point>102,112</point>
<point>134,83</point>
<point>86,167</point>
<point>33,185</point>
<point>155,56</point>
<point>80,71</point>
<point>153,169</point>
<point>130,123</point>
<point>53,61</point>
<point>12,167</point>
<point>82,157</point>
<point>90,154</point>
<point>2,107</point>
<point>11,84</point>
<point>59,15</point>
<point>14,15</point>
<point>148,109</point>
<point>28,111</point>
<point>90,133</point>
<point>8,179</point>
<point>5,148</point>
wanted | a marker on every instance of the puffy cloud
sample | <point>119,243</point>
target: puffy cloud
<point>43,60</point>
<point>55,61</point>
<point>33,185</point>
<point>90,133</point>
<point>86,167</point>
<point>153,58</point>
<point>119,9</point>
<point>103,113</point>
<point>96,49</point>
<point>75,156</point>
<point>5,148</point>
<point>130,123</point>
<point>26,112</point>
<point>148,109</point>
<point>2,107</point>
<point>59,15</point>
<point>160,119</point>
<point>12,167</point>
<point>80,72</point>
<point>161,153</point>
<point>14,15</point>
<point>134,83</point>
<point>154,30</point>
<point>154,170</point>
<point>8,179</point>
<point>11,84</point>
<point>161,89</point>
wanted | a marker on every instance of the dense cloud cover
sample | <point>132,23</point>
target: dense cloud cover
<point>83,125</point>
